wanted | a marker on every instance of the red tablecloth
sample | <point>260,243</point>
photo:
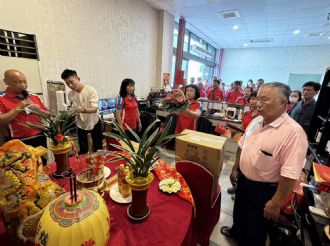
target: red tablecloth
<point>169,223</point>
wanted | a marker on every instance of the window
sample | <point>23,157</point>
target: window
<point>184,67</point>
<point>186,42</point>
<point>198,56</point>
<point>175,37</point>
<point>175,40</point>
<point>17,44</point>
<point>208,74</point>
<point>211,51</point>
<point>173,70</point>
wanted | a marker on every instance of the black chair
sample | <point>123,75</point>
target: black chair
<point>171,144</point>
<point>204,125</point>
<point>146,119</point>
<point>174,118</point>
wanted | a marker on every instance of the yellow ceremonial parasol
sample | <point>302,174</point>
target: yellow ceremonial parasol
<point>81,218</point>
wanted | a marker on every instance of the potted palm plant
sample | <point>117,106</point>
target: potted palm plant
<point>56,128</point>
<point>141,162</point>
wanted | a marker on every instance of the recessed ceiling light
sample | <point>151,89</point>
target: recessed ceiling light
<point>236,27</point>
<point>246,45</point>
<point>296,31</point>
<point>329,37</point>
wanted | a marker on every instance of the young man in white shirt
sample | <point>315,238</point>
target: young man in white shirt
<point>85,98</point>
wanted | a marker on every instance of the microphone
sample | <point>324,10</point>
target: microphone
<point>25,94</point>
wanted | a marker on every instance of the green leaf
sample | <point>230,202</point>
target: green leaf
<point>133,133</point>
<point>149,141</point>
<point>119,138</point>
<point>124,136</point>
<point>145,135</point>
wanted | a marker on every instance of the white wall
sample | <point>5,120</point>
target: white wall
<point>165,44</point>
<point>104,40</point>
<point>273,64</point>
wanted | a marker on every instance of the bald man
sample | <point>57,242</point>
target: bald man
<point>12,109</point>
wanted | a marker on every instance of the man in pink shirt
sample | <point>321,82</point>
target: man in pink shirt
<point>270,156</point>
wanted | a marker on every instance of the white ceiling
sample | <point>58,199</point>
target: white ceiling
<point>259,19</point>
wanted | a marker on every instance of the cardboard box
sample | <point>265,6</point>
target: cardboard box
<point>202,148</point>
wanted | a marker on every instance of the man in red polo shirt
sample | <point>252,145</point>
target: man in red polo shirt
<point>13,105</point>
<point>235,93</point>
<point>215,94</point>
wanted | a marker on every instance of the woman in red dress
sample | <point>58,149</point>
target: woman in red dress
<point>244,100</point>
<point>201,90</point>
<point>249,116</point>
<point>127,110</point>
<point>187,119</point>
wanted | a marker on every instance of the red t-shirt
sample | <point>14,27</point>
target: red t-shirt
<point>9,101</point>
<point>215,94</point>
<point>233,95</point>
<point>185,121</point>
<point>202,93</point>
<point>247,118</point>
<point>129,111</point>
<point>289,107</point>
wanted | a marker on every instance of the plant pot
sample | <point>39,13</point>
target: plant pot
<point>139,209</point>
<point>61,155</point>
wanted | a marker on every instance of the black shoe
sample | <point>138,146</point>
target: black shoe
<point>226,230</point>
<point>231,190</point>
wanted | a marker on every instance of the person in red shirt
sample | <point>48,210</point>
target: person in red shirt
<point>215,94</point>
<point>249,116</point>
<point>201,90</point>
<point>260,82</point>
<point>14,110</point>
<point>187,119</point>
<point>244,100</point>
<point>235,93</point>
<point>127,110</point>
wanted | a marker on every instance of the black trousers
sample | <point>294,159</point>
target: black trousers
<point>250,226</point>
<point>97,137</point>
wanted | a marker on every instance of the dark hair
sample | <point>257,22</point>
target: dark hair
<point>216,80</point>
<point>68,73</point>
<point>299,94</point>
<point>237,82</point>
<point>253,95</point>
<point>249,89</point>
<point>124,84</point>
<point>197,93</point>
<point>317,86</point>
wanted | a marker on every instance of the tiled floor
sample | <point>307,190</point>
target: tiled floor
<point>226,216</point>
<point>227,204</point>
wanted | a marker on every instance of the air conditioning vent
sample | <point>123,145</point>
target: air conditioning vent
<point>229,14</point>
<point>261,40</point>
<point>314,34</point>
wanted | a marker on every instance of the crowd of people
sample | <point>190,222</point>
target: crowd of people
<point>270,154</point>
<point>300,106</point>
